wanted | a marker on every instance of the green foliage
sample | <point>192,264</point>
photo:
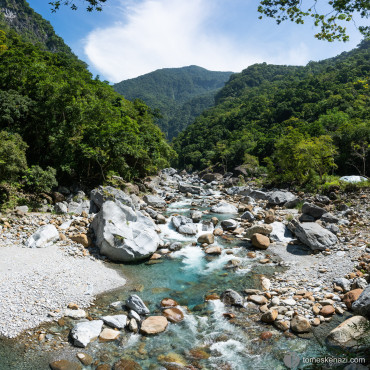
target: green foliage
<point>330,22</point>
<point>177,95</point>
<point>78,125</point>
<point>91,5</point>
<point>12,156</point>
<point>326,103</point>
<point>39,180</point>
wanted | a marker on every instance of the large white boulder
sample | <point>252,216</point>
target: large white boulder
<point>224,207</point>
<point>84,332</point>
<point>44,235</point>
<point>124,235</point>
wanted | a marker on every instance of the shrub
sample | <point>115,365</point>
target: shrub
<point>39,180</point>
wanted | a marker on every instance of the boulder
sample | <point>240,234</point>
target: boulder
<point>260,241</point>
<point>209,177</point>
<point>184,225</point>
<point>84,332</point>
<point>344,283</point>
<point>206,238</point>
<point>327,310</point>
<point>280,233</point>
<point>313,235</point>
<point>173,314</point>
<point>229,224</point>
<point>116,321</point>
<point>123,234</point>
<point>353,179</point>
<point>300,324</point>
<point>43,236</point>
<point>258,299</point>
<point>64,365</point>
<point>196,216</point>
<point>232,297</point>
<point>257,194</point>
<point>329,218</point>
<point>187,188</point>
<point>269,316</point>
<point>351,296</point>
<point>224,207</point>
<point>312,210</point>
<point>213,250</point>
<point>135,303</point>
<point>154,201</point>
<point>362,305</point>
<point>247,216</point>
<point>280,197</point>
<point>263,229</point>
<point>154,325</point>
<point>106,193</point>
<point>61,207</point>
<point>168,302</point>
<point>109,335</point>
<point>348,332</point>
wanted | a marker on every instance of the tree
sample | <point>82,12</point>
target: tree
<point>339,10</point>
<point>91,4</point>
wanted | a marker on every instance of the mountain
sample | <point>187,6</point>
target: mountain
<point>180,94</point>
<point>263,103</point>
<point>20,17</point>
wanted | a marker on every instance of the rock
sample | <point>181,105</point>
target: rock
<point>134,315</point>
<point>135,303</point>
<point>75,314</point>
<point>329,218</point>
<point>132,325</point>
<point>260,241</point>
<point>196,216</point>
<point>257,194</point>
<point>361,283</point>
<point>154,325</point>
<point>327,310</point>
<point>351,296</point>
<point>300,324</point>
<point>109,335</point>
<point>168,302</point>
<point>258,229</point>
<point>154,201</point>
<point>126,364</point>
<point>306,218</point>
<point>265,283</point>
<point>258,299</point>
<point>344,283</point>
<point>213,250</point>
<point>218,232</point>
<point>224,207</point>
<point>81,239</point>
<point>232,297</point>
<point>229,224</point>
<point>123,234</point>
<point>266,335</point>
<point>313,210</point>
<point>206,238</point>
<point>269,316</point>
<point>362,305</point>
<point>348,332</point>
<point>280,197</point>
<point>61,207</point>
<point>269,217</point>
<point>161,219</point>
<point>84,332</point>
<point>173,314</point>
<point>43,236</point>
<point>247,216</point>
<point>282,325</point>
<point>209,177</point>
<point>116,321</point>
<point>289,302</point>
<point>109,193</point>
<point>175,246</point>
<point>313,235</point>
<point>353,179</point>
<point>214,221</point>
<point>322,199</point>
<point>280,233</point>
<point>187,188</point>
<point>85,358</point>
<point>184,225</point>
<point>292,203</point>
<point>64,365</point>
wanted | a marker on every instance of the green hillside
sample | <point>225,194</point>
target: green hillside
<point>180,94</point>
<point>264,104</point>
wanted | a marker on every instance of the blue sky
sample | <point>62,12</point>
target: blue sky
<point>133,37</point>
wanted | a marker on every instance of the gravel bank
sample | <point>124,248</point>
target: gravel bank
<point>37,282</point>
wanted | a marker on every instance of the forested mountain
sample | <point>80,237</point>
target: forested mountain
<point>56,120</point>
<point>265,104</point>
<point>180,94</point>
<point>19,16</point>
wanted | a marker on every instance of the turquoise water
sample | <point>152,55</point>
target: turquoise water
<point>204,339</point>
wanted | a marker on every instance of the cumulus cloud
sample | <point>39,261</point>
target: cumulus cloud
<point>173,33</point>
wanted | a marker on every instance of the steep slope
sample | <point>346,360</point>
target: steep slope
<point>19,16</point>
<point>180,94</point>
<point>259,105</point>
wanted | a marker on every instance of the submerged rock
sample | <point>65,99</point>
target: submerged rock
<point>173,314</point>
<point>154,325</point>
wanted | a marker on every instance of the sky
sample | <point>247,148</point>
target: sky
<point>130,38</point>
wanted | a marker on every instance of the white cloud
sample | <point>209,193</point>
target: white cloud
<point>174,33</point>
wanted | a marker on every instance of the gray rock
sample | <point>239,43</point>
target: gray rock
<point>280,197</point>
<point>344,283</point>
<point>23,209</point>
<point>263,229</point>
<point>43,236</point>
<point>229,224</point>
<point>224,207</point>
<point>187,188</point>
<point>134,315</point>
<point>280,233</point>
<point>328,217</point>
<point>175,246</point>
<point>184,225</point>
<point>136,304</point>
<point>169,171</point>
<point>247,216</point>
<point>232,297</point>
<point>209,177</point>
<point>187,229</point>
<point>360,283</point>
<point>353,179</point>
<point>313,235</point>
<point>75,207</point>
<point>333,228</point>
<point>84,332</point>
<point>257,194</point>
<point>116,321</point>
<point>196,216</point>
<point>306,218</point>
<point>154,201</point>
<point>313,210</point>
<point>124,235</point>
<point>103,194</point>
<point>61,207</point>
<point>292,203</point>
<point>322,199</point>
<point>152,213</point>
<point>362,305</point>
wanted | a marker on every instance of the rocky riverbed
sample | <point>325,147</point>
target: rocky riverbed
<point>216,273</point>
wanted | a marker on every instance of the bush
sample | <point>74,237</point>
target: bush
<point>39,180</point>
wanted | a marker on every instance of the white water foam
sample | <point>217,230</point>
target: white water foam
<point>193,257</point>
